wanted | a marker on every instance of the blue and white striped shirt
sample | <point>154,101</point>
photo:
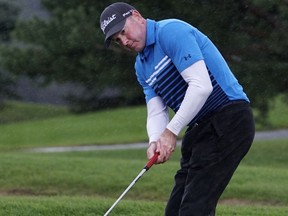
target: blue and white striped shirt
<point>171,47</point>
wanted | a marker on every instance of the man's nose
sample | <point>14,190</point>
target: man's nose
<point>123,40</point>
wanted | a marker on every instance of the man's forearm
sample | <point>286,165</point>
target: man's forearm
<point>157,118</point>
<point>199,89</point>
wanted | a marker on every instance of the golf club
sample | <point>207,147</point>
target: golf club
<point>145,169</point>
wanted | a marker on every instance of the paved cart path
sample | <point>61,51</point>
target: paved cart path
<point>263,135</point>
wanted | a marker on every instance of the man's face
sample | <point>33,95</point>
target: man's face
<point>133,34</point>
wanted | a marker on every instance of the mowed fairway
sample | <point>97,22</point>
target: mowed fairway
<point>88,183</point>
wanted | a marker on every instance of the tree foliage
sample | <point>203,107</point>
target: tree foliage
<point>251,34</point>
<point>8,16</point>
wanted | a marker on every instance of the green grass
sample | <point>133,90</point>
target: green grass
<point>95,128</point>
<point>51,183</point>
<point>122,125</point>
<point>94,173</point>
<point>89,206</point>
<point>106,127</point>
<point>278,115</point>
<point>14,111</point>
<point>87,183</point>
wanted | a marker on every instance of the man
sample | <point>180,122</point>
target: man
<point>179,67</point>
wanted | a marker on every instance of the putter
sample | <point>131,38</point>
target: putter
<point>145,169</point>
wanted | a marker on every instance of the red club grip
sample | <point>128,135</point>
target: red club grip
<point>152,161</point>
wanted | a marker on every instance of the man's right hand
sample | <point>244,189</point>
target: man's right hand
<point>151,150</point>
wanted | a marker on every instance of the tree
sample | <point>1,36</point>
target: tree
<point>69,46</point>
<point>8,16</point>
<point>263,58</point>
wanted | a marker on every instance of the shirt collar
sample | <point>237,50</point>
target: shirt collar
<point>150,37</point>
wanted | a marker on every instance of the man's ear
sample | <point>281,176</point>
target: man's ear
<point>136,14</point>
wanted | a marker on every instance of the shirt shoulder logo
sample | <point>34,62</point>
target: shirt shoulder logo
<point>187,57</point>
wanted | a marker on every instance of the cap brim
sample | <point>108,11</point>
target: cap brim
<point>116,28</point>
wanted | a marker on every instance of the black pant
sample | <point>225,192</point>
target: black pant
<point>211,152</point>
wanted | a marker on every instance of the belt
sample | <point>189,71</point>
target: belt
<point>221,108</point>
<point>230,103</point>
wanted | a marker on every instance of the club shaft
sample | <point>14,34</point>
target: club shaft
<point>127,189</point>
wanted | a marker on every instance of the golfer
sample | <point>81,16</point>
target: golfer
<point>180,68</point>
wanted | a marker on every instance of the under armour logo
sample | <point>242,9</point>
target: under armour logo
<point>187,57</point>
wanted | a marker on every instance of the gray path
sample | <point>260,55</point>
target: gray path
<point>269,135</point>
<point>264,135</point>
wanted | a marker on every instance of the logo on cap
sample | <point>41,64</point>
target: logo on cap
<point>105,23</point>
<point>127,13</point>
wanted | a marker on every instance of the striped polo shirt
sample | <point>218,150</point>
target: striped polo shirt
<point>172,46</point>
